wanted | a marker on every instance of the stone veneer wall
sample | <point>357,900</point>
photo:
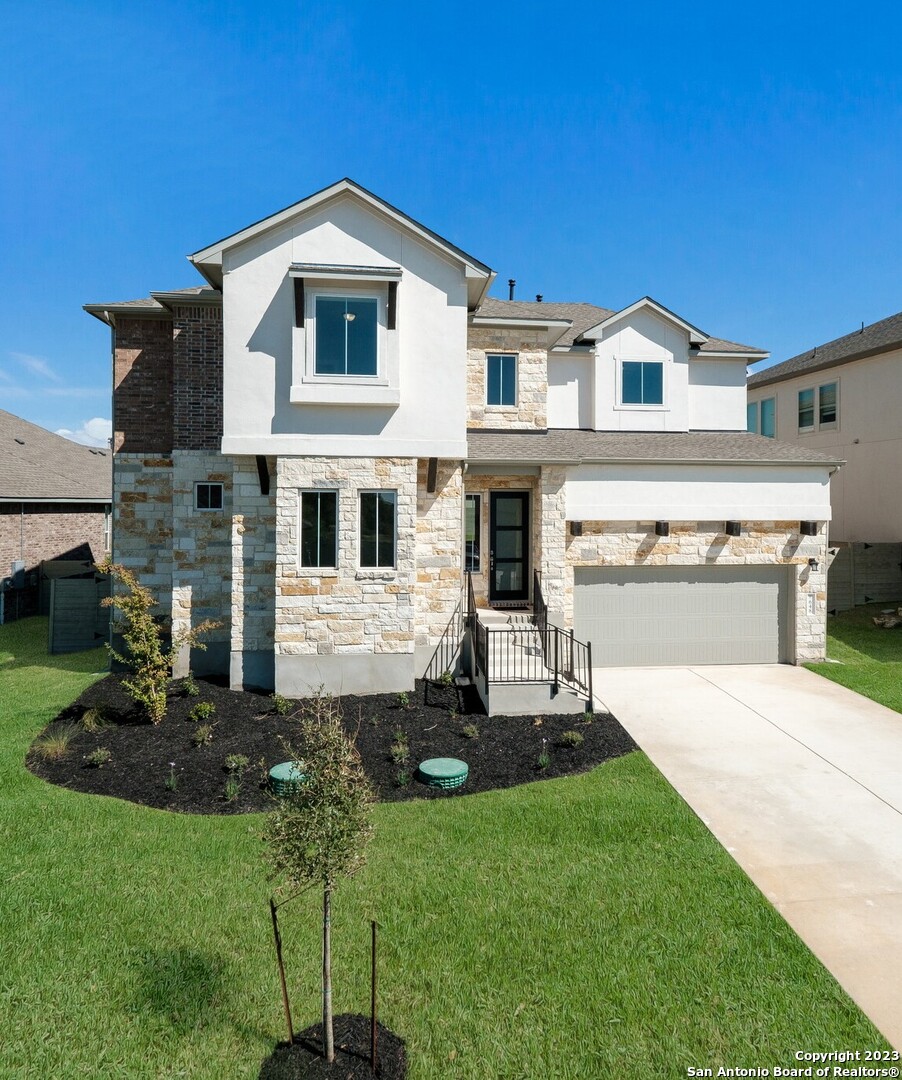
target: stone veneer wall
<point>477,484</point>
<point>142,521</point>
<point>771,543</point>
<point>201,555</point>
<point>253,574</point>
<point>333,626</point>
<point>531,410</point>
<point>439,554</point>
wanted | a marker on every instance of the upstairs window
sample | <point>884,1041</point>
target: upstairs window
<point>501,379</point>
<point>642,382</point>
<point>346,335</point>
<point>827,405</point>
<point>806,410</point>
<point>761,417</point>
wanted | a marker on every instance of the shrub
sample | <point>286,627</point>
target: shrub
<point>99,757</point>
<point>150,663</point>
<point>282,706</point>
<point>203,735</point>
<point>172,780</point>
<point>470,731</point>
<point>446,679</point>
<point>404,700</point>
<point>94,720</point>
<point>232,788</point>
<point>54,745</point>
<point>189,686</point>
<point>543,760</point>
<point>572,738</point>
<point>235,763</point>
<point>399,751</point>
<point>402,778</point>
<point>203,710</point>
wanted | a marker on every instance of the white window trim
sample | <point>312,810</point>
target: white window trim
<point>210,509</point>
<point>309,388</point>
<point>376,569</point>
<point>329,569</point>
<point>665,384</point>
<point>485,395</point>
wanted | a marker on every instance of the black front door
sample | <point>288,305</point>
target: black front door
<point>509,546</point>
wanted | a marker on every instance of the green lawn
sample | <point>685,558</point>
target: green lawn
<point>870,658</point>
<point>579,928</point>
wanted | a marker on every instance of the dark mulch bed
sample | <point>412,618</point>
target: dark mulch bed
<point>303,1060</point>
<point>503,751</point>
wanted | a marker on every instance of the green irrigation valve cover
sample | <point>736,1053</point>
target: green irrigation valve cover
<point>444,772</point>
<point>285,778</point>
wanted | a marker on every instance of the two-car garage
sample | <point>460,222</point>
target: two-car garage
<point>657,616</point>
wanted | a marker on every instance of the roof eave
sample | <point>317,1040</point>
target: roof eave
<point>764,378</point>
<point>696,336</point>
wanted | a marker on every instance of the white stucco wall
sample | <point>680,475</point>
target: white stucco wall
<point>258,306</point>
<point>570,391</point>
<point>697,493</point>
<point>717,395</point>
<point>868,437</point>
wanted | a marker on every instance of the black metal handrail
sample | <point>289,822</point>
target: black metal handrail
<point>539,609</point>
<point>448,649</point>
<point>511,654</point>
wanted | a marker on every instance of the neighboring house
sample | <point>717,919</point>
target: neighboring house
<point>316,445</point>
<point>54,498</point>
<point>845,399</point>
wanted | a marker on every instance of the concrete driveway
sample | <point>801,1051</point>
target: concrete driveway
<point>801,781</point>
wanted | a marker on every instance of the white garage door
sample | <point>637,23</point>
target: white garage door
<point>655,616</point>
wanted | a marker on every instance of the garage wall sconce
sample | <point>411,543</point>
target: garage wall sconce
<point>732,528</point>
<point>576,528</point>
<point>808,528</point>
<point>662,528</point>
<point>814,565</point>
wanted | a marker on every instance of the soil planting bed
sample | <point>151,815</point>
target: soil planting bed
<point>160,766</point>
<point>303,1060</point>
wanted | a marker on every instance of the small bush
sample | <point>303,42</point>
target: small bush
<point>282,706</point>
<point>400,749</point>
<point>54,745</point>
<point>203,735</point>
<point>446,679</point>
<point>470,731</point>
<point>232,788</point>
<point>236,763</point>
<point>572,738</point>
<point>99,757</point>
<point>203,710</point>
<point>172,780</point>
<point>404,700</point>
<point>94,720</point>
<point>189,686</point>
<point>543,760</point>
<point>402,778</point>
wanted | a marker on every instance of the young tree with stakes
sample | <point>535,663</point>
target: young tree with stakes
<point>319,832</point>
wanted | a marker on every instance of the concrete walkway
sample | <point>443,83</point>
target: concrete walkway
<point>801,781</point>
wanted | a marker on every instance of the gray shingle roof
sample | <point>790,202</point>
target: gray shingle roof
<point>583,317</point>
<point>149,303</point>
<point>35,464</point>
<point>577,446</point>
<point>876,338</point>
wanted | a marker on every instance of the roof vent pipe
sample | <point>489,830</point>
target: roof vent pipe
<point>511,284</point>
<point>539,298</point>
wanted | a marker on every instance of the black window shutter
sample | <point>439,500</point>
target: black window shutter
<point>298,301</point>
<point>392,314</point>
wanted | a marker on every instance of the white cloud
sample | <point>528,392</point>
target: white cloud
<point>93,432</point>
<point>36,365</point>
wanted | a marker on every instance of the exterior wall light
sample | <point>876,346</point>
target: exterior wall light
<point>813,564</point>
<point>576,528</point>
<point>662,528</point>
<point>732,528</point>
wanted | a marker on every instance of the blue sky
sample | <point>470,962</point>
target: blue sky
<point>740,163</point>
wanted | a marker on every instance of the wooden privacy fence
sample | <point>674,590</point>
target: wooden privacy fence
<point>77,620</point>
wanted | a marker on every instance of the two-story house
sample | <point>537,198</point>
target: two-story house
<point>316,446</point>
<point>843,399</point>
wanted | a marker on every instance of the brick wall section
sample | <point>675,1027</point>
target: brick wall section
<point>531,410</point>
<point>197,367</point>
<point>346,609</point>
<point>50,531</point>
<point>142,386</point>
<point>253,557</point>
<point>763,543</point>
<point>439,550</point>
